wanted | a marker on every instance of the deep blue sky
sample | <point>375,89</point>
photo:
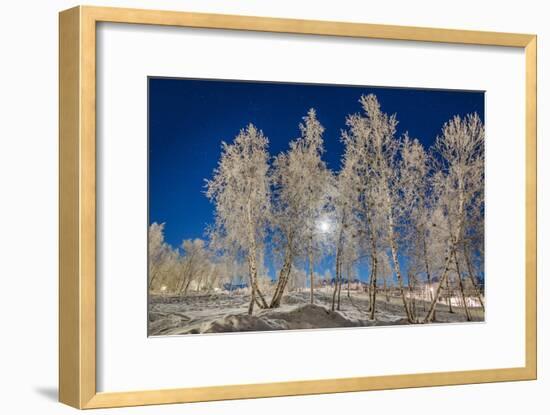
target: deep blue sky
<point>188,120</point>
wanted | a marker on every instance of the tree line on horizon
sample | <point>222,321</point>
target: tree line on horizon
<point>408,213</point>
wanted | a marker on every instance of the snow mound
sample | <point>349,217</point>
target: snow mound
<point>233,323</point>
<point>308,316</point>
<point>162,323</point>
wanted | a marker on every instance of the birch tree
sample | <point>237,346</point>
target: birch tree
<point>301,181</point>
<point>194,264</point>
<point>342,210</point>
<point>372,148</point>
<point>460,155</point>
<point>472,246</point>
<point>288,214</point>
<point>345,234</point>
<point>385,147</point>
<point>162,259</point>
<point>241,195</point>
<point>415,201</point>
<point>385,272</point>
<point>357,187</point>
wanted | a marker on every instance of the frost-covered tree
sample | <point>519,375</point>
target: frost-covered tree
<point>346,232</point>
<point>415,194</point>
<point>163,260</point>
<point>288,213</point>
<point>156,250</point>
<point>287,176</point>
<point>460,158</point>
<point>240,192</point>
<point>471,254</point>
<point>381,134</point>
<point>437,244</point>
<point>372,154</point>
<point>172,270</point>
<point>471,251</point>
<point>195,264</point>
<point>301,182</point>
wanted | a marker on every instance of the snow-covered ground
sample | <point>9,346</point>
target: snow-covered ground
<point>227,312</point>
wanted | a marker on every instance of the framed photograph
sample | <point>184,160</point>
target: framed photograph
<point>346,206</point>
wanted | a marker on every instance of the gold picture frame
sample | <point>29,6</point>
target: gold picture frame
<point>77,275</point>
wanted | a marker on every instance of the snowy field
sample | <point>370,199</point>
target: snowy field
<point>227,312</point>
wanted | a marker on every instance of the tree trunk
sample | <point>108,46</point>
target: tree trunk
<point>153,278</point>
<point>187,275</point>
<point>452,251</point>
<point>186,287</point>
<point>252,269</point>
<point>284,275</point>
<point>336,278</point>
<point>394,254</point>
<point>397,269</point>
<point>431,311</point>
<point>258,292</point>
<point>461,286</point>
<point>339,287</point>
<point>412,302</point>
<point>427,267</point>
<point>449,296</point>
<point>374,268</point>
<point>310,256</point>
<point>374,277</point>
<point>348,272</point>
<point>252,294</point>
<point>471,275</point>
<point>339,248</point>
<point>278,296</point>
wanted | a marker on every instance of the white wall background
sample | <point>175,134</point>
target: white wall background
<point>29,191</point>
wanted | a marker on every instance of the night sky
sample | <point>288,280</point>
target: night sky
<point>189,118</point>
